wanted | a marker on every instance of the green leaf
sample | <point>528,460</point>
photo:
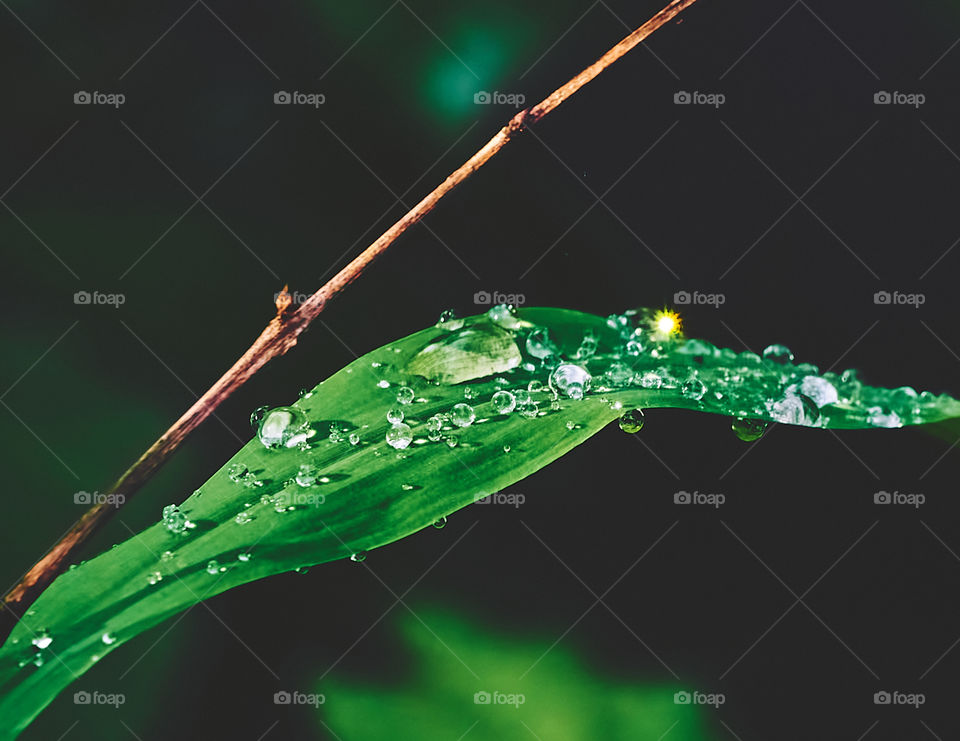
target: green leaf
<point>371,494</point>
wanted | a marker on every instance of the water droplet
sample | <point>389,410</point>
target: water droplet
<point>534,386</point>
<point>242,518</point>
<point>305,394</point>
<point>504,315</point>
<point>283,427</point>
<point>462,415</point>
<point>539,344</point>
<point>451,441</point>
<point>213,567</point>
<point>354,438</point>
<point>778,354</point>
<point>694,388</point>
<point>618,374</point>
<point>302,570</point>
<point>166,556</point>
<point>383,383</point>
<point>588,346</point>
<point>258,414</point>
<point>405,395</point>
<point>748,429</point>
<point>877,417</point>
<point>243,557</point>
<point>650,380</point>
<point>503,402</point>
<point>570,425</point>
<point>42,640</point>
<point>571,380</point>
<point>634,345</point>
<point>108,639</point>
<point>359,557</point>
<point>407,487</point>
<point>38,660</point>
<point>399,436</point>
<point>528,408</point>
<point>439,524</point>
<point>395,416</point>
<point>631,421</point>
<point>154,578</point>
<point>449,321</point>
<point>819,390</point>
<point>174,520</point>
<point>506,448</point>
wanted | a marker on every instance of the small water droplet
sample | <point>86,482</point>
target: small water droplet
<point>451,441</point>
<point>154,577</point>
<point>359,557</point>
<point>242,518</point>
<point>305,393</point>
<point>258,414</point>
<point>395,416</point>
<point>631,421</point>
<point>506,448</point>
<point>108,639</point>
<point>405,395</point>
<point>693,388</point>
<point>174,520</point>
<point>462,415</point>
<point>354,438</point>
<point>407,487</point>
<point>504,315</point>
<point>449,321</point>
<point>439,524</point>
<point>570,425</point>
<point>534,386</point>
<point>243,557</point>
<point>213,567</point>
<point>383,383</point>
<point>779,354</point>
<point>539,344</point>
<point>748,429</point>
<point>399,436</point>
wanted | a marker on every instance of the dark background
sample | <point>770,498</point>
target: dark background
<point>711,207</point>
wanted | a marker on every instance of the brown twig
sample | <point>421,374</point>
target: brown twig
<point>282,332</point>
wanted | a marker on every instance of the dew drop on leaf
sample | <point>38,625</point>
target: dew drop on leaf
<point>631,421</point>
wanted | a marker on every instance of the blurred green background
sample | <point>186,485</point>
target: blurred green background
<point>290,193</point>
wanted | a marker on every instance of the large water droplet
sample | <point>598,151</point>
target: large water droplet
<point>283,427</point>
<point>399,436</point>
<point>504,315</point>
<point>539,344</point>
<point>631,421</point>
<point>503,402</point>
<point>748,429</point>
<point>462,415</point>
<point>571,380</point>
